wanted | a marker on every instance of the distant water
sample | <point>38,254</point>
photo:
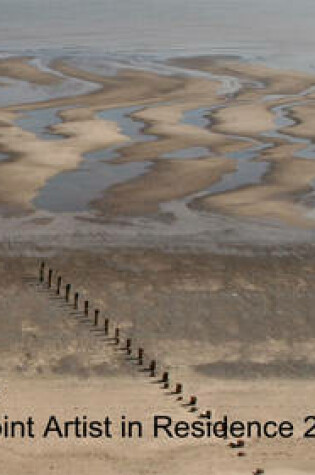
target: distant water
<point>280,31</point>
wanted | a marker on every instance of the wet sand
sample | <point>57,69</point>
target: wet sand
<point>232,120</point>
<point>167,181</point>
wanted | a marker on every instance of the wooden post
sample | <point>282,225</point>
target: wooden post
<point>165,380</point>
<point>140,356</point>
<point>152,368</point>
<point>106,326</point>
<point>86,308</point>
<point>68,290</point>
<point>58,285</point>
<point>117,339</point>
<point>96,317</point>
<point>179,388</point>
<point>50,274</point>
<point>42,272</point>
<point>76,301</point>
<point>193,401</point>
<point>128,346</point>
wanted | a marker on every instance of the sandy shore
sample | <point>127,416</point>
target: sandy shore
<point>247,353</point>
<point>219,292</point>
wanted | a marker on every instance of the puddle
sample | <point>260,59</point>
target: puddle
<point>3,157</point>
<point>197,117</point>
<point>73,191</point>
<point>249,172</point>
<point>38,122</point>
<point>187,153</point>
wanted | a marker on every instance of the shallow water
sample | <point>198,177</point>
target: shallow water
<point>187,153</point>
<point>20,92</point>
<point>248,172</point>
<point>283,120</point>
<point>73,191</point>
<point>197,117</point>
<point>129,126</point>
<point>38,122</point>
<point>3,157</point>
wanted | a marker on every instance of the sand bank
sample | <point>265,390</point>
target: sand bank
<point>248,120</point>
<point>19,68</point>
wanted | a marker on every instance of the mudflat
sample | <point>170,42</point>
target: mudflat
<point>217,287</point>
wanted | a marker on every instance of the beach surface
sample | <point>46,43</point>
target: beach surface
<point>180,205</point>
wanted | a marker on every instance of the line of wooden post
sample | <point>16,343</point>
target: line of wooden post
<point>152,366</point>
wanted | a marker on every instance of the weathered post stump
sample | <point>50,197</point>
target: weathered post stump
<point>50,274</point>
<point>96,317</point>
<point>140,356</point>
<point>152,368</point>
<point>68,290</point>
<point>128,346</point>
<point>106,326</point>
<point>178,388</point>
<point>58,285</point>
<point>76,301</point>
<point>42,272</point>
<point>165,380</point>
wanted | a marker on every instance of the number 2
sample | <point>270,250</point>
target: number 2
<point>310,433</point>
